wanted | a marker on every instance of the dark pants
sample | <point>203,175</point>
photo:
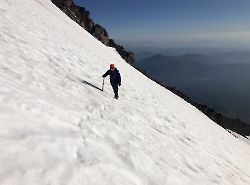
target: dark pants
<point>115,89</point>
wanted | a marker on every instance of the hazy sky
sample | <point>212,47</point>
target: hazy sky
<point>174,22</point>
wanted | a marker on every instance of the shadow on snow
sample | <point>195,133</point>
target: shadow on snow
<point>91,85</point>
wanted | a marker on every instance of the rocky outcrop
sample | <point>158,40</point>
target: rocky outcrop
<point>101,34</point>
<point>82,16</point>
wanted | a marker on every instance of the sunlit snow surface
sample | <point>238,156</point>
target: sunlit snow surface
<point>57,130</point>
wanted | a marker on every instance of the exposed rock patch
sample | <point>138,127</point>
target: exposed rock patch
<point>82,16</point>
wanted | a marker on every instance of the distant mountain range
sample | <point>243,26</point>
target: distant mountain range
<point>216,81</point>
<point>218,55</point>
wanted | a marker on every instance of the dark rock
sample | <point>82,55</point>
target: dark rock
<point>101,34</point>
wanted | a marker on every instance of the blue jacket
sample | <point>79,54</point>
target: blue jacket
<point>115,77</point>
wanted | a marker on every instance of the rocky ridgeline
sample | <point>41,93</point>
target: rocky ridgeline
<point>82,17</point>
<point>230,124</point>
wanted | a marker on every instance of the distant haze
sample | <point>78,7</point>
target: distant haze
<point>174,23</point>
<point>220,81</point>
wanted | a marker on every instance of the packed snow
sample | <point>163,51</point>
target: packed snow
<point>58,128</point>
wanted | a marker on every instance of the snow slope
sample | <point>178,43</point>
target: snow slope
<point>57,130</point>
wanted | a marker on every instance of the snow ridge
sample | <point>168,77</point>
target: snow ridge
<point>56,129</point>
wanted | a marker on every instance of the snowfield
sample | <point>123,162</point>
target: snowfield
<point>58,128</point>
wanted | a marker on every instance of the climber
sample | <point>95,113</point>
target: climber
<point>115,79</point>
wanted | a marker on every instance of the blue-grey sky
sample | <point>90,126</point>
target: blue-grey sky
<point>173,22</point>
